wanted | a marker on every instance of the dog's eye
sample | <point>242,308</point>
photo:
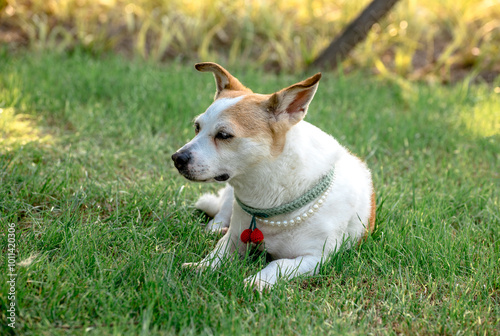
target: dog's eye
<point>223,136</point>
<point>196,128</point>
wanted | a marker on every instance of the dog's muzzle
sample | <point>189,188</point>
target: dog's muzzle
<point>182,159</point>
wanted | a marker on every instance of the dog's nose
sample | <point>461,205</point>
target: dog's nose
<point>181,159</point>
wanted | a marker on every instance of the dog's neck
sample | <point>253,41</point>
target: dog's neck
<point>268,186</point>
<point>297,169</point>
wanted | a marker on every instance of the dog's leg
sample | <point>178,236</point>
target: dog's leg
<point>283,268</point>
<point>224,249</point>
<point>219,207</point>
<point>222,219</point>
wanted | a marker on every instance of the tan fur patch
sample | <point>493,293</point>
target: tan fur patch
<point>373,211</point>
<point>232,94</point>
<point>251,119</point>
<point>266,117</point>
<point>371,218</point>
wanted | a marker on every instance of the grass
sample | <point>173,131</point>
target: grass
<point>433,40</point>
<point>103,220</point>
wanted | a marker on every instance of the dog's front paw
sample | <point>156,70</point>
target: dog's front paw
<point>198,266</point>
<point>217,227</point>
<point>257,285</point>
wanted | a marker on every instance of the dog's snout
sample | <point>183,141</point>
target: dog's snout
<point>181,159</point>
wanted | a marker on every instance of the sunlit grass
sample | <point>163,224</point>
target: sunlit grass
<point>484,118</point>
<point>18,130</point>
<point>424,39</point>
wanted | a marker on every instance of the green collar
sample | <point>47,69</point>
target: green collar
<point>298,203</point>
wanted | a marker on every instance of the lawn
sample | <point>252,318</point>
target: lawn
<point>103,221</point>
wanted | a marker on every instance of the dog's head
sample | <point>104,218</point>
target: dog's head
<point>241,128</point>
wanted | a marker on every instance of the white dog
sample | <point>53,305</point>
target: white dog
<point>292,190</point>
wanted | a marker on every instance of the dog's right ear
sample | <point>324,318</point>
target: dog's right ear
<point>291,103</point>
<point>223,79</point>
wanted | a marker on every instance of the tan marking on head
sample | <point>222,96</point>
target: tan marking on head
<point>268,117</point>
<point>231,94</point>
<point>248,116</point>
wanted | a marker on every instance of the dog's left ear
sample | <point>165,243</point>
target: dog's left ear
<point>293,101</point>
<point>223,79</point>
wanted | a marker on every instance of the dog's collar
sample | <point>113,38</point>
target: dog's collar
<point>296,204</point>
<point>254,235</point>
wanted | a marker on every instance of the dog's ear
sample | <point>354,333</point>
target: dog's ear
<point>223,79</point>
<point>292,102</point>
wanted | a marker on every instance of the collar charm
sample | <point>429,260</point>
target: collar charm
<point>252,234</point>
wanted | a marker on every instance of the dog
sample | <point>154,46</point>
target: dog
<point>291,189</point>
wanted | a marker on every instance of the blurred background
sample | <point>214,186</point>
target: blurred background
<point>431,40</point>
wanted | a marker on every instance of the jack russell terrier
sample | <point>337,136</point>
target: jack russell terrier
<point>292,189</point>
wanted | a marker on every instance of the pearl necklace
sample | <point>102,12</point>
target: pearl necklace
<point>299,219</point>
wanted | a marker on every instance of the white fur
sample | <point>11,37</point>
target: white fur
<point>214,110</point>
<point>308,154</point>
